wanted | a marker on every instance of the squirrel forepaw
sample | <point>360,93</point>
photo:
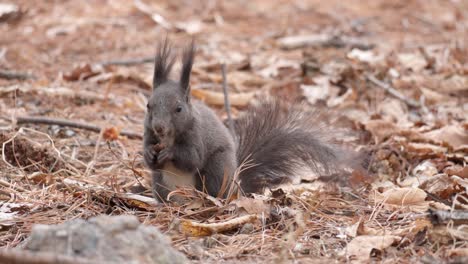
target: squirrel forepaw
<point>164,155</point>
<point>151,158</point>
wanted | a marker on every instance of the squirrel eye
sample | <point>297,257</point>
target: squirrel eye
<point>179,109</point>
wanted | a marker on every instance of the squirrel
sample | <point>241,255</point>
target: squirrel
<point>186,144</point>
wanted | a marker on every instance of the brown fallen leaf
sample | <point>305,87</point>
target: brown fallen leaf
<point>425,149</point>
<point>457,252</point>
<point>452,134</point>
<point>394,110</point>
<point>414,61</point>
<point>408,231</point>
<point>111,134</point>
<point>411,198</point>
<point>381,129</point>
<point>440,185</point>
<point>9,11</point>
<point>252,206</point>
<point>131,199</point>
<point>460,171</point>
<point>83,71</point>
<point>201,229</point>
<point>420,174</point>
<point>367,56</point>
<point>122,76</point>
<point>359,248</point>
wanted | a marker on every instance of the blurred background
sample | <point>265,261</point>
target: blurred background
<point>396,70</point>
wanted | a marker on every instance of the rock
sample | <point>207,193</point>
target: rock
<point>109,239</point>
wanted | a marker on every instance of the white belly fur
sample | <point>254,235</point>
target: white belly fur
<point>173,177</point>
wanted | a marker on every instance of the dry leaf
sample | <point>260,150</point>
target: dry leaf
<point>191,27</point>
<point>424,149</point>
<point>83,71</point>
<point>157,18</point>
<point>440,185</point>
<point>138,201</point>
<point>111,134</point>
<point>352,230</point>
<point>367,56</point>
<point>406,231</point>
<point>359,248</point>
<point>452,134</point>
<point>61,30</point>
<point>337,70</point>
<point>252,206</point>
<point>8,212</point>
<point>123,76</point>
<point>321,90</point>
<point>8,11</point>
<point>394,110</point>
<point>273,69</point>
<point>413,61</point>
<point>420,174</point>
<point>201,229</point>
<point>412,198</point>
<point>381,129</point>
<point>461,171</point>
<point>457,252</point>
<point>432,97</point>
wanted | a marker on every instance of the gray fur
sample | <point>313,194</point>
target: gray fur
<point>195,140</point>
<point>201,151</point>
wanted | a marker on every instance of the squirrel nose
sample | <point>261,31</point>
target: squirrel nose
<point>159,130</point>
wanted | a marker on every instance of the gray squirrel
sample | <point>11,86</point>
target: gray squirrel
<point>186,144</point>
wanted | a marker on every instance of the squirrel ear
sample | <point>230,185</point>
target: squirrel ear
<point>187,62</point>
<point>162,63</point>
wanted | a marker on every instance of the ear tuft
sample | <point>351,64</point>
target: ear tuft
<point>162,63</point>
<point>187,62</point>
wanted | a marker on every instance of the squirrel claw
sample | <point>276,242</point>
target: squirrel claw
<point>164,155</point>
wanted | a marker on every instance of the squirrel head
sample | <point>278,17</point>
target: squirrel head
<point>169,110</point>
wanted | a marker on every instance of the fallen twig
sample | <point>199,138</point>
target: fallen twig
<point>11,75</point>
<point>29,257</point>
<point>217,98</point>
<point>157,18</point>
<point>392,91</point>
<point>200,229</point>
<point>443,217</point>
<point>129,62</point>
<point>135,200</point>
<point>294,42</point>
<point>55,91</point>
<point>227,104</point>
<point>69,123</point>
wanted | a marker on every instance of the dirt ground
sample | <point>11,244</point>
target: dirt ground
<point>396,72</point>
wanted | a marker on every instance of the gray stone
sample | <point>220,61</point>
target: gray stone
<point>109,239</point>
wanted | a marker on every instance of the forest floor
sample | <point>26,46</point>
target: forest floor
<point>397,71</point>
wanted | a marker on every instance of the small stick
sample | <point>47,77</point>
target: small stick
<point>11,75</point>
<point>68,123</point>
<point>29,257</point>
<point>227,104</point>
<point>441,217</point>
<point>129,62</point>
<point>392,91</point>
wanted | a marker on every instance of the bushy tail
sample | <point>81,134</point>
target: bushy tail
<point>276,142</point>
